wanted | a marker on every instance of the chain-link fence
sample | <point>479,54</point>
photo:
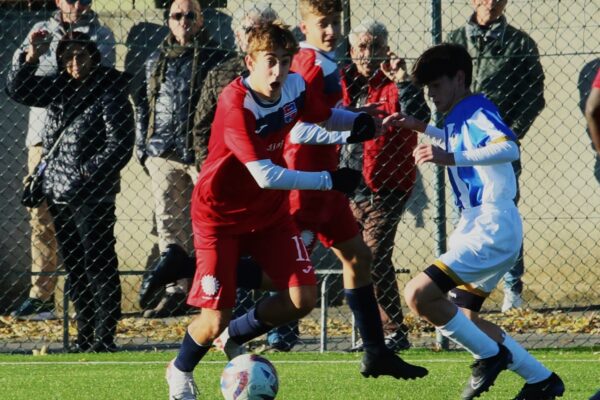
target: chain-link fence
<point>559,183</point>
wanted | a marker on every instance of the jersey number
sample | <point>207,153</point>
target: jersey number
<point>301,249</point>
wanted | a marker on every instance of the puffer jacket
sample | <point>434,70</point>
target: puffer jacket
<point>88,24</point>
<point>506,69</point>
<point>165,107</point>
<point>99,135</point>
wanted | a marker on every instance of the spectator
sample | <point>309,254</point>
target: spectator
<point>378,76</point>
<point>592,112</point>
<point>164,110</point>
<point>507,69</point>
<point>70,16</point>
<point>282,338</point>
<point>91,122</point>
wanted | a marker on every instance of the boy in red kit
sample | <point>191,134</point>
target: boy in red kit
<point>327,215</point>
<point>237,209</point>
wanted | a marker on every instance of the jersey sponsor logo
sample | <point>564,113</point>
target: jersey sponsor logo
<point>275,146</point>
<point>210,285</point>
<point>307,269</point>
<point>289,112</point>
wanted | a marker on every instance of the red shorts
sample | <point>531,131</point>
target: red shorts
<point>326,214</point>
<point>279,251</point>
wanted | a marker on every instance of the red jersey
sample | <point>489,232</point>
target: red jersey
<point>226,197</point>
<point>596,83</point>
<point>388,162</point>
<point>321,73</point>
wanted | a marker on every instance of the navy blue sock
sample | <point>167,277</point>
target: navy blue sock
<point>190,354</point>
<point>366,315</point>
<point>247,327</point>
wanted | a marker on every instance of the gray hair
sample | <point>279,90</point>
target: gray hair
<point>371,27</point>
<point>259,13</point>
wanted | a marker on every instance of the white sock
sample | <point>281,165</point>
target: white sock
<point>463,331</point>
<point>524,364</point>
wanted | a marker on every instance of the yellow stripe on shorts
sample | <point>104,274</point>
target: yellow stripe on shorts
<point>446,270</point>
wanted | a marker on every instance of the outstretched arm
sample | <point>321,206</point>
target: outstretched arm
<point>592,115</point>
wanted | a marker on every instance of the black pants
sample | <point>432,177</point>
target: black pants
<point>85,235</point>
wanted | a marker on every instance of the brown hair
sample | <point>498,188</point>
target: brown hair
<point>319,7</point>
<point>271,36</point>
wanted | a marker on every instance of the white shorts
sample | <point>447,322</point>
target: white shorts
<point>483,247</point>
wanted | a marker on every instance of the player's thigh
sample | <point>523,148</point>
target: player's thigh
<point>214,285</point>
<point>339,226</point>
<point>282,255</point>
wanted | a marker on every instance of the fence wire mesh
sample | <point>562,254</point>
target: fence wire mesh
<point>559,187</point>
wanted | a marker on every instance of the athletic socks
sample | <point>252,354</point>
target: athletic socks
<point>463,331</point>
<point>366,316</point>
<point>524,364</point>
<point>190,354</point>
<point>247,327</point>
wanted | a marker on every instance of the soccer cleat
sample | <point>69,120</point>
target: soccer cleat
<point>35,310</point>
<point>548,389</point>
<point>181,384</point>
<point>172,305</point>
<point>228,346</point>
<point>388,363</point>
<point>484,373</point>
<point>512,300</point>
<point>398,340</point>
<point>173,264</point>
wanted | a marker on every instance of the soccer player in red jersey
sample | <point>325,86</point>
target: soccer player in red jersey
<point>327,215</point>
<point>240,205</point>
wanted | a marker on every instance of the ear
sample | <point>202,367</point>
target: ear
<point>57,2</point>
<point>460,78</point>
<point>302,27</point>
<point>353,53</point>
<point>249,62</point>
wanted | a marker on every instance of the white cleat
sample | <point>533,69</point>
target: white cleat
<point>228,346</point>
<point>181,384</point>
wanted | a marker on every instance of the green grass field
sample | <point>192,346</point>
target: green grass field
<point>332,376</point>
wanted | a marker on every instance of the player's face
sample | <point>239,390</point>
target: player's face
<point>445,92</point>
<point>368,54</point>
<point>71,11</point>
<point>487,11</point>
<point>323,32</point>
<point>185,20</point>
<point>268,72</point>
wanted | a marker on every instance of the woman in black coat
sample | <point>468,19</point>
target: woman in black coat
<point>88,106</point>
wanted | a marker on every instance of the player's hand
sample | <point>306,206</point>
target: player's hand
<point>403,121</point>
<point>345,180</point>
<point>363,128</point>
<point>428,153</point>
<point>394,68</point>
<point>39,43</point>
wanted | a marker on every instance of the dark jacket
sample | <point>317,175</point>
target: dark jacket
<point>216,79</point>
<point>165,105</point>
<point>98,139</point>
<point>507,69</point>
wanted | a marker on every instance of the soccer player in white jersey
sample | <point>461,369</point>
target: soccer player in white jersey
<point>478,148</point>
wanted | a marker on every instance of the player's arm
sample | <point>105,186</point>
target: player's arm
<point>592,115</point>
<point>494,153</point>
<point>342,127</point>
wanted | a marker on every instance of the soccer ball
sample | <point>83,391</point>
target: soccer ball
<point>249,377</point>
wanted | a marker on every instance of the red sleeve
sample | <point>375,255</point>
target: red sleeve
<point>596,83</point>
<point>239,137</point>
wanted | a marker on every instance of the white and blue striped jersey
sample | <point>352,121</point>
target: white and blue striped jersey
<point>474,123</point>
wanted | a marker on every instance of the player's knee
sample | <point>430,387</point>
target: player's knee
<point>305,302</point>
<point>413,295</point>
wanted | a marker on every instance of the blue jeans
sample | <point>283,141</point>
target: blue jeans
<point>512,279</point>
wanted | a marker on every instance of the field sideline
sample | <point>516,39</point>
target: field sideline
<point>331,376</point>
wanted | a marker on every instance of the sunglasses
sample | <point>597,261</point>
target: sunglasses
<point>82,2</point>
<point>179,15</point>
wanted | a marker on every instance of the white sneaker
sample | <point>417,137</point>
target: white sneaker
<point>511,300</point>
<point>181,384</point>
<point>227,346</point>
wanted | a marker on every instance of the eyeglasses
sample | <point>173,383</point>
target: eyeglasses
<point>179,15</point>
<point>82,2</point>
